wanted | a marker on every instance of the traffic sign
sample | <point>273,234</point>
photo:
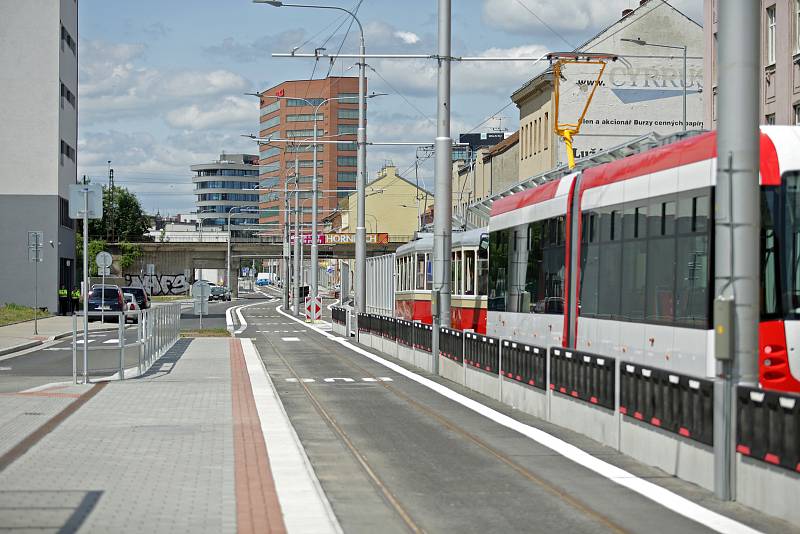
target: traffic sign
<point>200,292</point>
<point>104,271</point>
<point>77,201</point>
<point>103,260</point>
<point>35,240</point>
<point>313,309</point>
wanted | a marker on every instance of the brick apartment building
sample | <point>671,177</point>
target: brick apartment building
<point>283,117</point>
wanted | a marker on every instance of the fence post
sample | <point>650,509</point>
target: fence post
<point>121,340</point>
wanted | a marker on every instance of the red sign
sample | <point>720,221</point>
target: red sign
<point>306,239</point>
<point>350,239</point>
<point>280,92</point>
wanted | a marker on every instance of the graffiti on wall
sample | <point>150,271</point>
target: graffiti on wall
<point>159,284</point>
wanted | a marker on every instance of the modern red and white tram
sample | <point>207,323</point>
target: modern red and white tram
<point>617,259</point>
<point>414,279</point>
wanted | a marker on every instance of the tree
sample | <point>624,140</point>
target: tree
<point>130,223</point>
<point>95,246</point>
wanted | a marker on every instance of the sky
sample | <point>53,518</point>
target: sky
<point>162,83</point>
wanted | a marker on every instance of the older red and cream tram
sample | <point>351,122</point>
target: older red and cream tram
<point>618,259</point>
<point>414,279</point>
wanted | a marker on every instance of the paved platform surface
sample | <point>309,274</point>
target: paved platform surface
<point>395,456</point>
<point>180,449</point>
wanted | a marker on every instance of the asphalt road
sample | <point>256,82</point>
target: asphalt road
<point>394,456</point>
<point>52,362</point>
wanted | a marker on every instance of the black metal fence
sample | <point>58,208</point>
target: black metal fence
<point>482,352</point>
<point>524,363</point>
<point>364,322</point>
<point>451,344</point>
<point>388,327</point>
<point>583,376</point>
<point>768,426</point>
<point>339,315</point>
<point>405,332</point>
<point>422,336</point>
<point>678,403</point>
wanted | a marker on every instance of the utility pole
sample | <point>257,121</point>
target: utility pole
<point>110,228</point>
<point>443,208</point>
<point>286,249</point>
<point>296,285</point>
<point>736,227</point>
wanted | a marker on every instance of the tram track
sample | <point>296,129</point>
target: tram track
<point>481,444</point>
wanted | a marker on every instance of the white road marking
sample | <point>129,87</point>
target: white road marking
<point>5,368</point>
<point>666,498</point>
<point>59,348</point>
<point>110,341</point>
<point>335,379</point>
<point>303,503</point>
<point>290,339</point>
<point>80,341</point>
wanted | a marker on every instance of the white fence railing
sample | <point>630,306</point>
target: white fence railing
<point>156,330</point>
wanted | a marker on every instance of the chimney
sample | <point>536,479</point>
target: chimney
<point>626,12</point>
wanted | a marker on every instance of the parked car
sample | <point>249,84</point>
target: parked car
<point>142,298</point>
<point>105,298</point>
<point>131,305</point>
<point>219,293</point>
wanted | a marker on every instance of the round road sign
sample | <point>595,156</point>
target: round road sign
<point>103,259</point>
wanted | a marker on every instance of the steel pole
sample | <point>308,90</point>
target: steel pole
<point>296,286</point>
<point>685,83</point>
<point>361,171</point>
<point>443,209</point>
<point>314,207</point>
<point>286,248</point>
<point>85,282</point>
<point>737,222</point>
<point>228,254</point>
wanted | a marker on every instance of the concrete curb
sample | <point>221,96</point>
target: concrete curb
<point>20,347</point>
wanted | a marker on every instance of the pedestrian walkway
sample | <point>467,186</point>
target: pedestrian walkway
<point>181,449</point>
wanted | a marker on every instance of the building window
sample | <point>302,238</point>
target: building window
<point>68,151</point>
<point>297,102</point>
<point>271,123</point>
<point>270,167</point>
<point>305,148</point>
<point>346,161</point>
<point>546,132</point>
<point>349,113</point>
<point>347,129</point>
<point>63,214</point>
<point>304,117</point>
<point>348,98</point>
<point>797,114</point>
<point>66,39</point>
<point>67,95</point>
<point>770,119</point>
<point>346,176</point>
<point>797,26</point>
<point>270,152</point>
<point>271,108</point>
<point>307,163</point>
<point>347,146</point>
<point>305,133</point>
<point>771,35</point>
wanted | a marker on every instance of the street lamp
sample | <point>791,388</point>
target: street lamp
<point>361,169</point>
<point>642,42</point>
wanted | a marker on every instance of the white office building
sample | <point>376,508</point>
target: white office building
<point>38,144</point>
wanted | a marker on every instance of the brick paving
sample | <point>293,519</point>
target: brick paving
<point>154,454</point>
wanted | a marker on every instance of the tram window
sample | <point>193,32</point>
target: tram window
<point>455,271</point>
<point>634,278</point>
<point>590,267</point>
<point>534,274</point>
<point>428,270</point>
<point>608,283</point>
<point>661,280</point>
<point>498,269</point>
<point>420,284</point>
<point>469,272</point>
<point>692,277</point>
<point>483,271</point>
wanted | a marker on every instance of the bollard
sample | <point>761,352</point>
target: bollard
<point>74,348</point>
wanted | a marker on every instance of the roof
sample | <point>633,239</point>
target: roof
<point>502,146</point>
<point>397,175</point>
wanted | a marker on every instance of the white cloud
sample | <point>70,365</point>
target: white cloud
<point>407,37</point>
<point>498,77</point>
<point>576,16</point>
<point>113,86</point>
<point>230,110</point>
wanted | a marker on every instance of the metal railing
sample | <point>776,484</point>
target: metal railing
<point>156,328</point>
